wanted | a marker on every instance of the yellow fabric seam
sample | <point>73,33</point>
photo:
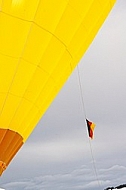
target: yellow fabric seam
<point>32,22</point>
<point>17,65</point>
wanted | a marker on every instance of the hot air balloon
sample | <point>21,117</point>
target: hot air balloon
<point>41,42</point>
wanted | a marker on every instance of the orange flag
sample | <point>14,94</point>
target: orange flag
<point>90,127</point>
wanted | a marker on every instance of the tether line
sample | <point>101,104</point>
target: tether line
<point>84,113</point>
<point>81,92</point>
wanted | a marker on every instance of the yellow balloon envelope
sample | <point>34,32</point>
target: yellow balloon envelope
<point>41,42</point>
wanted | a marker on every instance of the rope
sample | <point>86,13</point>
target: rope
<point>84,111</point>
<point>81,92</point>
<point>94,165</point>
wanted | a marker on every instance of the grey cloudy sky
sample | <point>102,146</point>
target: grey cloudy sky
<point>57,156</point>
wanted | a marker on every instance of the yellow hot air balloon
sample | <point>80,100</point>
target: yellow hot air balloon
<point>41,42</point>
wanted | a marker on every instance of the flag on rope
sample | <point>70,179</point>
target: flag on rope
<point>90,126</point>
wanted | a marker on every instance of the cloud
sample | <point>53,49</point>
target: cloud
<point>81,178</point>
<point>15,185</point>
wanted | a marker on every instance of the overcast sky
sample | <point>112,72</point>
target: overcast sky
<point>57,156</point>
